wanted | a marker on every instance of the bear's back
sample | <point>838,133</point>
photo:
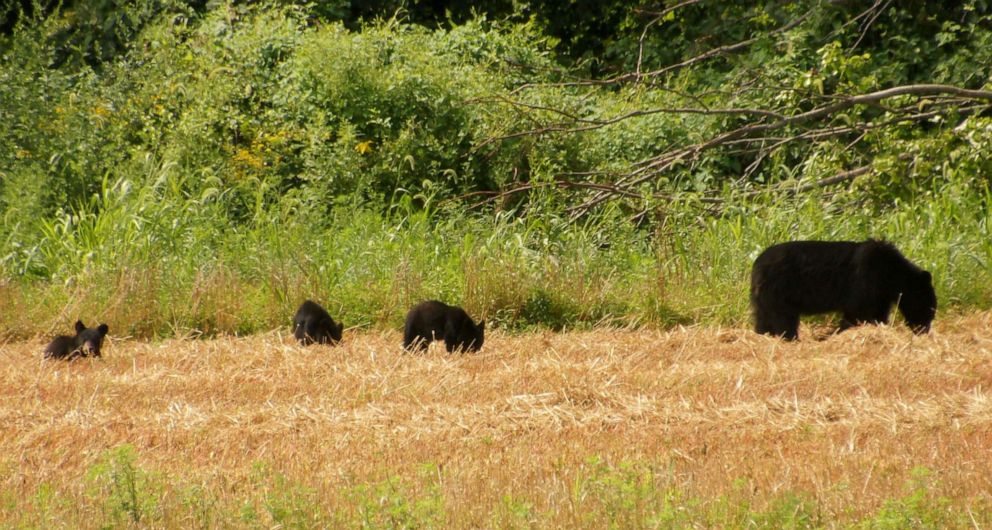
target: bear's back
<point>808,276</point>
<point>61,346</point>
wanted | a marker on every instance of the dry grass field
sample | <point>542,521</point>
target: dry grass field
<point>693,427</point>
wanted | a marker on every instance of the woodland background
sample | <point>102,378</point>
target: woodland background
<point>183,168</point>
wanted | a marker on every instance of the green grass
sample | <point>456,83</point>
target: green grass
<point>150,266</point>
<point>119,493</point>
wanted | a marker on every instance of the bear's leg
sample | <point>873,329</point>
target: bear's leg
<point>763,321</point>
<point>790,327</point>
<point>875,315</point>
<point>777,323</point>
<point>880,315</point>
<point>414,341</point>
<point>302,333</point>
<point>451,342</point>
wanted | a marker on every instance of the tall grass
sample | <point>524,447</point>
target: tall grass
<point>150,263</point>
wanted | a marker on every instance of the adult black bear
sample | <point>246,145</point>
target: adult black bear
<point>312,324</point>
<point>86,342</point>
<point>861,280</point>
<point>433,320</point>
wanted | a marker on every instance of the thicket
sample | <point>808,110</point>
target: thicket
<point>182,167</point>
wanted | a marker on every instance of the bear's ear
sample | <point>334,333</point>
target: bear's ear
<point>927,277</point>
<point>103,329</point>
<point>80,327</point>
<point>482,325</point>
<point>340,328</point>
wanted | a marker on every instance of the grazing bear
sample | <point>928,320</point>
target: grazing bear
<point>312,324</point>
<point>861,280</point>
<point>432,320</point>
<point>86,342</point>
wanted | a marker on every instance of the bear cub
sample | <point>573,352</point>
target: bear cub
<point>312,324</point>
<point>861,280</point>
<point>433,320</point>
<point>86,342</point>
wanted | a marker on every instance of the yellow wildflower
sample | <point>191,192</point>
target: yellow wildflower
<point>364,148</point>
<point>247,158</point>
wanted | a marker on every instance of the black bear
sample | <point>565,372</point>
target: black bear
<point>433,320</point>
<point>862,280</point>
<point>312,324</point>
<point>86,342</point>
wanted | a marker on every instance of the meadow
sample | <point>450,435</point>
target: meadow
<point>595,183</point>
<point>698,426</point>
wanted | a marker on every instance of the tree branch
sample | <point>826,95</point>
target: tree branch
<point>650,168</point>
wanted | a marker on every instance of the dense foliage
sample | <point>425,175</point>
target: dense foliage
<point>202,166</point>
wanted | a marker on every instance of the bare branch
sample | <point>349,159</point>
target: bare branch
<point>723,50</point>
<point>667,10</point>
<point>637,75</point>
<point>877,12</point>
<point>658,16</point>
<point>598,124</point>
<point>649,168</point>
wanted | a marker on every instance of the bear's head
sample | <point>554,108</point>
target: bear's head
<point>918,302</point>
<point>89,340</point>
<point>474,335</point>
<point>336,331</point>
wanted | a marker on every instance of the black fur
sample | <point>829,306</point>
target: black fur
<point>86,342</point>
<point>860,280</point>
<point>312,324</point>
<point>433,320</point>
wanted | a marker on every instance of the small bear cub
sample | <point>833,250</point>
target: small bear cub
<point>87,342</point>
<point>312,324</point>
<point>433,320</point>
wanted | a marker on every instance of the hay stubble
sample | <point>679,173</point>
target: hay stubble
<point>844,419</point>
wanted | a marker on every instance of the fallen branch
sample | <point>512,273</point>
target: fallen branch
<point>650,168</point>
